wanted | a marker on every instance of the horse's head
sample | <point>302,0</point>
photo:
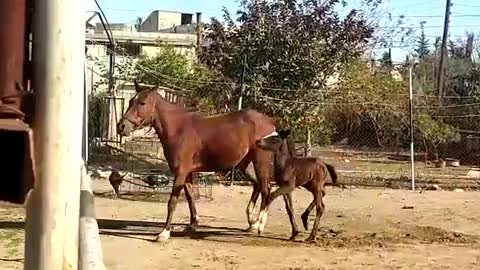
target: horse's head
<point>140,112</point>
<point>275,143</point>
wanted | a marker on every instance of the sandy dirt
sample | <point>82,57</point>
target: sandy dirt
<point>361,229</point>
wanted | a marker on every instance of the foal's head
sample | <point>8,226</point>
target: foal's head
<point>140,112</point>
<point>279,144</point>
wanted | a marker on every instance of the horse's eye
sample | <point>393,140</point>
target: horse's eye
<point>142,103</point>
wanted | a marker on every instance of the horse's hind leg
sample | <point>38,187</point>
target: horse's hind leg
<point>308,210</point>
<point>320,208</point>
<point>262,164</point>
<point>243,166</point>
<point>289,205</point>
<point>191,204</point>
<point>251,206</point>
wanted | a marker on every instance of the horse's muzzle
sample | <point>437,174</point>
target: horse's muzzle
<point>124,127</point>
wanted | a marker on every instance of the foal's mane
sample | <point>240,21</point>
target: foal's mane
<point>291,146</point>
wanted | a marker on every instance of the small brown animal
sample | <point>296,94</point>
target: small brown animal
<point>291,172</point>
<point>116,180</point>
<point>150,181</point>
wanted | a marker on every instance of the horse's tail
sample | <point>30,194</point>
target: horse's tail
<point>333,173</point>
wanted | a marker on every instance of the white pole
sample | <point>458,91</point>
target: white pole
<point>90,248</point>
<point>412,155</point>
<point>52,223</point>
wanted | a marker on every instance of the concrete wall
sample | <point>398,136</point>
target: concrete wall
<point>168,19</point>
<point>151,23</point>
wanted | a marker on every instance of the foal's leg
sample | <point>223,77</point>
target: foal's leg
<point>289,205</point>
<point>320,208</point>
<point>191,204</point>
<point>308,210</point>
<point>172,204</point>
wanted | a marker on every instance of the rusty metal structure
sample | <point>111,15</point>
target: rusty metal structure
<point>16,102</point>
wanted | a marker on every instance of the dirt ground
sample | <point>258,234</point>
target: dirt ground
<point>361,229</point>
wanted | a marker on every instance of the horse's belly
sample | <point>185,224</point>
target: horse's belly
<point>222,159</point>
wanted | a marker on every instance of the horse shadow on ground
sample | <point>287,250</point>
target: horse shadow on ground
<point>141,229</point>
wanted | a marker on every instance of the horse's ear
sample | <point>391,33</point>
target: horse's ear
<point>138,88</point>
<point>284,133</point>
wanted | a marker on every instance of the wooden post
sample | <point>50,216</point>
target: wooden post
<point>53,205</point>
<point>308,143</point>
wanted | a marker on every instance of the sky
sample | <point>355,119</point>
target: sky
<point>465,14</point>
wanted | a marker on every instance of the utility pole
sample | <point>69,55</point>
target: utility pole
<point>199,31</point>
<point>443,52</point>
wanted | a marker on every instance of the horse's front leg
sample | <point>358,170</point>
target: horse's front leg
<point>172,204</point>
<point>188,189</point>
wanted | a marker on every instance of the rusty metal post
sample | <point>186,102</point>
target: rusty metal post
<point>17,165</point>
<point>12,36</point>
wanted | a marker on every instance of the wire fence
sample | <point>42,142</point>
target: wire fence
<point>364,133</point>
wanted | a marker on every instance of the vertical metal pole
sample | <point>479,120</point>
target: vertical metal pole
<point>412,154</point>
<point>54,204</point>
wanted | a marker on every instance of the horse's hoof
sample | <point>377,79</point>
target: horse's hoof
<point>259,233</point>
<point>310,239</point>
<point>294,235</point>
<point>163,236</point>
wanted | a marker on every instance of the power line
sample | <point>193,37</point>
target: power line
<point>434,16</point>
<point>461,5</point>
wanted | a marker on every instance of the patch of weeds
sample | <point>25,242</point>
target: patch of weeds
<point>12,242</point>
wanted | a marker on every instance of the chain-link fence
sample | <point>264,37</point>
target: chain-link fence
<point>362,124</point>
<point>367,141</point>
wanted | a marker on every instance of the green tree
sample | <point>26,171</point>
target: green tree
<point>288,44</point>
<point>422,50</point>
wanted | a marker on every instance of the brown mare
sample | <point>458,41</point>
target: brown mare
<point>291,172</point>
<point>196,143</point>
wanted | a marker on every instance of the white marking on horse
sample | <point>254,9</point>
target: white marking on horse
<point>164,235</point>
<point>250,208</point>
<point>263,220</point>
<point>271,134</point>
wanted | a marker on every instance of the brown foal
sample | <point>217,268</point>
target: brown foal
<point>196,143</point>
<point>291,172</point>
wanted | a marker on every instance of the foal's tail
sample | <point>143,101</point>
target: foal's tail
<point>333,173</point>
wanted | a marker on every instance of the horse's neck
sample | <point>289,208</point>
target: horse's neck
<point>282,156</point>
<point>169,118</point>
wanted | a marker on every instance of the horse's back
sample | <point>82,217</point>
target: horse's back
<point>245,122</point>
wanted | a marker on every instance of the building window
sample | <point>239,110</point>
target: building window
<point>132,49</point>
<point>186,19</point>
